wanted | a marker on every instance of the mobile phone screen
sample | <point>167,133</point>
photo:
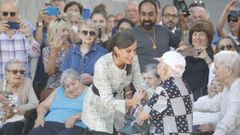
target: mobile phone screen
<point>13,25</point>
<point>183,7</point>
<point>86,13</point>
<point>53,11</point>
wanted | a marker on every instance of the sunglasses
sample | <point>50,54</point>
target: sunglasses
<point>17,71</point>
<point>232,20</point>
<point>91,33</point>
<point>222,47</point>
<point>12,14</point>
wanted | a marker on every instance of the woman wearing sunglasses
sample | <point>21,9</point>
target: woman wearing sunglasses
<point>83,58</point>
<point>17,97</point>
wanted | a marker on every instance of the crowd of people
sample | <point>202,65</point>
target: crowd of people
<point>171,69</point>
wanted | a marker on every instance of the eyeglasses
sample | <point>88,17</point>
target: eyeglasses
<point>170,15</point>
<point>230,19</point>
<point>17,71</point>
<point>91,33</point>
<point>12,14</point>
<point>222,47</point>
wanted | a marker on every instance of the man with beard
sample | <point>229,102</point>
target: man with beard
<point>170,18</point>
<point>152,40</point>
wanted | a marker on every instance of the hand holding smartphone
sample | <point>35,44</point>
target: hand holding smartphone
<point>183,7</point>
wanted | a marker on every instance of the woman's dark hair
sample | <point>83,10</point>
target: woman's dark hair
<point>122,40</point>
<point>202,26</point>
<point>99,9</point>
<point>71,3</point>
<point>226,37</point>
<point>126,21</point>
<point>153,2</point>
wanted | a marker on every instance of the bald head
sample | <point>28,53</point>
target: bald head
<point>131,11</point>
<point>199,13</point>
<point>9,10</point>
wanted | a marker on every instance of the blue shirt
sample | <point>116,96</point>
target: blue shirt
<point>83,64</point>
<point>63,107</point>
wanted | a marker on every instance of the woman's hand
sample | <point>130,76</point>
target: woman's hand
<point>71,121</point>
<point>4,27</point>
<point>139,95</point>
<point>206,127</point>
<point>214,88</point>
<point>204,55</point>
<point>86,78</point>
<point>231,6</point>
<point>4,100</point>
<point>39,121</point>
<point>57,42</point>
<point>143,116</point>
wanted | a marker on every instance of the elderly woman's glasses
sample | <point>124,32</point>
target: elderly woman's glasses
<point>222,47</point>
<point>17,71</point>
<point>12,14</point>
<point>91,33</point>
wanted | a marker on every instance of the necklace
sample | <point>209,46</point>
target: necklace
<point>153,39</point>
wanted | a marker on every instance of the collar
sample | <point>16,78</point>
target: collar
<point>92,49</point>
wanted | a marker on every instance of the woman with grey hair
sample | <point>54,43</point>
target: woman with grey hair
<point>227,70</point>
<point>63,108</point>
<point>170,108</point>
<point>16,97</point>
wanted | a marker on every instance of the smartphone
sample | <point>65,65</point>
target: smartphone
<point>99,33</point>
<point>85,13</point>
<point>53,11</point>
<point>13,25</point>
<point>196,51</point>
<point>183,7</point>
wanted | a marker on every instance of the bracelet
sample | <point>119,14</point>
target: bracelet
<point>127,93</point>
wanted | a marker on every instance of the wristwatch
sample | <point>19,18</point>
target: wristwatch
<point>39,24</point>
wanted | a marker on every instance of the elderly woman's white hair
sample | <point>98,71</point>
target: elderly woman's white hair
<point>69,73</point>
<point>229,59</point>
<point>12,61</point>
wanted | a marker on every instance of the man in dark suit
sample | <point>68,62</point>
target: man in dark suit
<point>170,18</point>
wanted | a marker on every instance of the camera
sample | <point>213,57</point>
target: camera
<point>181,4</point>
<point>13,25</point>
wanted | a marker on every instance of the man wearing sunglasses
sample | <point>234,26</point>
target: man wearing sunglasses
<point>232,15</point>
<point>16,39</point>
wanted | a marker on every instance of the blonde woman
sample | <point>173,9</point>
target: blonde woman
<point>54,54</point>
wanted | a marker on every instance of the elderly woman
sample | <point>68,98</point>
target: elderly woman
<point>104,106</point>
<point>151,77</point>
<point>17,95</point>
<point>199,57</point>
<point>60,113</point>
<point>54,53</point>
<point>227,102</point>
<point>170,108</point>
<point>83,58</point>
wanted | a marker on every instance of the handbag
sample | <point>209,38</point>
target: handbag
<point>30,117</point>
<point>131,127</point>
